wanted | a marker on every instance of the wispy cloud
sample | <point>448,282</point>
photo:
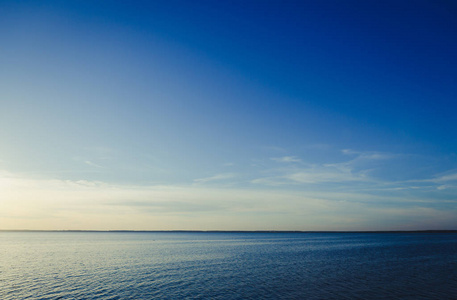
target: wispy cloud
<point>291,195</point>
<point>40,203</point>
<point>361,172</point>
<point>449,176</point>
<point>312,175</point>
<point>87,162</point>
<point>286,159</point>
<point>218,177</point>
<point>368,154</point>
<point>442,181</point>
<point>322,175</point>
<point>356,169</point>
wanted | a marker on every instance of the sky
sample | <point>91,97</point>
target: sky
<point>228,115</point>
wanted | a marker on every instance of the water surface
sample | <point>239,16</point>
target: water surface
<point>197,265</point>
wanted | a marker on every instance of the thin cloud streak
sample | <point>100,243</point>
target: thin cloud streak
<point>218,177</point>
<point>359,175</point>
<point>342,172</point>
<point>286,159</point>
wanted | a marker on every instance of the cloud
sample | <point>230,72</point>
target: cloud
<point>286,159</point>
<point>303,197</point>
<point>341,172</point>
<point>349,152</point>
<point>324,175</point>
<point>452,176</point>
<point>313,175</point>
<point>37,203</point>
<point>218,177</point>
<point>374,172</point>
<point>443,181</point>
<point>368,155</point>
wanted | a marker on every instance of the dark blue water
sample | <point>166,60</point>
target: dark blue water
<point>69,265</point>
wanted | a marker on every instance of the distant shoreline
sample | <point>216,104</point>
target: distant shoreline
<point>233,231</point>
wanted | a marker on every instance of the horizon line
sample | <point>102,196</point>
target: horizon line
<point>237,231</point>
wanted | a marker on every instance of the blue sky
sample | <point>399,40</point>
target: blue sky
<point>243,115</point>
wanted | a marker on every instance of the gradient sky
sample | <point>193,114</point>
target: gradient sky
<point>228,115</point>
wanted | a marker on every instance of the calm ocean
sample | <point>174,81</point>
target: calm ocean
<point>196,265</point>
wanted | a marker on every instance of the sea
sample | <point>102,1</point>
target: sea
<point>227,265</point>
